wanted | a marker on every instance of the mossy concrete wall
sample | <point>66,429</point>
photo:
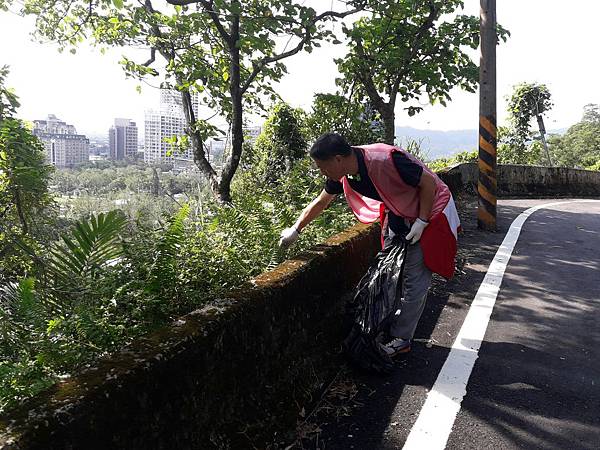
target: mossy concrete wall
<point>205,381</point>
<point>527,181</point>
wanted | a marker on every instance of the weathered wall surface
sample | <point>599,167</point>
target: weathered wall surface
<point>527,181</point>
<point>200,383</point>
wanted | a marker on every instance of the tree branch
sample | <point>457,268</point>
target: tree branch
<point>84,21</point>
<point>208,7</point>
<point>367,80</point>
<point>257,66</point>
<point>197,144</point>
<point>182,2</point>
<point>152,57</point>
<point>5,211</point>
<point>425,26</point>
<point>20,213</point>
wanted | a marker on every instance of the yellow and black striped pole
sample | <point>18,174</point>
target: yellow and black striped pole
<point>486,186</point>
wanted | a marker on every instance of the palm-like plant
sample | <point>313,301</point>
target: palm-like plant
<point>162,269</point>
<point>79,260</point>
<point>18,310</point>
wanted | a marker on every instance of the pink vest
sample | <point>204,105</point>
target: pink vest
<point>399,197</point>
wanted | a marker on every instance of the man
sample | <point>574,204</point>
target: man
<point>378,179</point>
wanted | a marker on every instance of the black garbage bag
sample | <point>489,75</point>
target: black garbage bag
<point>373,306</point>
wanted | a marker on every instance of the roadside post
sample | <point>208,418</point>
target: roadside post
<point>486,185</point>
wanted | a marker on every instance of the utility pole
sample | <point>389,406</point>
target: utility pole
<point>487,186</point>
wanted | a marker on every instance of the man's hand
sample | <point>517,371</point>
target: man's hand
<point>288,237</point>
<point>416,231</point>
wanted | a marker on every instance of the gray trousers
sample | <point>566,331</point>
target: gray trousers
<point>416,282</point>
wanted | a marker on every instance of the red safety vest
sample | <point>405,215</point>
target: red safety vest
<point>438,241</point>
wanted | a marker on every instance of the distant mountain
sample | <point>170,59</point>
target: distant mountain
<point>438,143</point>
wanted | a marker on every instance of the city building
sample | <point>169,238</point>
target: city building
<point>215,152</point>
<point>164,123</point>
<point>123,139</point>
<point>168,121</point>
<point>98,148</point>
<point>64,147</point>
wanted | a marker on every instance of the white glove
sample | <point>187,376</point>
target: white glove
<point>288,237</point>
<point>416,231</point>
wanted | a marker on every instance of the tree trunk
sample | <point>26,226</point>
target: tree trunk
<point>540,122</point>
<point>237,131</point>
<point>388,116</point>
<point>155,182</point>
<point>197,144</point>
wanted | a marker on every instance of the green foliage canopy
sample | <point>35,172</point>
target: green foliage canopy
<point>280,144</point>
<point>113,277</point>
<point>226,51</point>
<point>580,145</point>
<point>513,149</point>
<point>353,117</point>
<point>406,49</point>
<point>527,101</point>
<point>517,144</point>
<point>24,177</point>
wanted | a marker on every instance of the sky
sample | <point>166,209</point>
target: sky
<point>552,42</point>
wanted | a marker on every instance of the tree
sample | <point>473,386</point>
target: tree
<point>404,50</point>
<point>513,149</point>
<point>529,100</point>
<point>353,117</point>
<point>24,174</point>
<point>280,144</point>
<point>223,50</point>
<point>580,145</point>
<point>591,113</point>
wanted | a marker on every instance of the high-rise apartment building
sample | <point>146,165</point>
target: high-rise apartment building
<point>123,139</point>
<point>64,147</point>
<point>166,122</point>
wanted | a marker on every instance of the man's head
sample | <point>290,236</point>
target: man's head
<point>332,155</point>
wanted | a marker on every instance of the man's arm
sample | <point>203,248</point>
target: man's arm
<point>314,208</point>
<point>426,195</point>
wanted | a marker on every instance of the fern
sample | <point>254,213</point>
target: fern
<point>18,313</point>
<point>162,270</point>
<point>231,217</point>
<point>70,272</point>
<point>91,246</point>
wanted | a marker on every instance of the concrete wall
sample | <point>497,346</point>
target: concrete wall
<point>256,356</point>
<point>527,181</point>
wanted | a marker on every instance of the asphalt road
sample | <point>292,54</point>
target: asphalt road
<point>536,383</point>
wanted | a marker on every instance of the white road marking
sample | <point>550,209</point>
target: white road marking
<point>435,421</point>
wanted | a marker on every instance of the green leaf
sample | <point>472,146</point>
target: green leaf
<point>118,4</point>
<point>95,243</point>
